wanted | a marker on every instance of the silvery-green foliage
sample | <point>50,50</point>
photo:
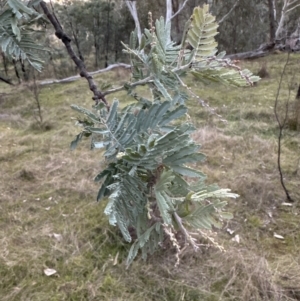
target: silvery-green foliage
<point>17,35</point>
<point>150,181</point>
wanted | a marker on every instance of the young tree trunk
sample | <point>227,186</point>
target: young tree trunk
<point>74,34</point>
<point>96,45</point>
<point>116,43</point>
<point>272,20</point>
<point>296,110</point>
<point>52,63</point>
<point>176,18</point>
<point>96,41</point>
<point>107,35</point>
<point>76,41</point>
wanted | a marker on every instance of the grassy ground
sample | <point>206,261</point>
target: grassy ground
<point>49,217</point>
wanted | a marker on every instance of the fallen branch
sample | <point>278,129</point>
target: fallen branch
<point>76,77</point>
<point>263,50</point>
<point>247,55</point>
<point>266,49</point>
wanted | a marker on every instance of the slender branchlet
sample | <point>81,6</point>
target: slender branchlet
<point>281,125</point>
<point>59,32</point>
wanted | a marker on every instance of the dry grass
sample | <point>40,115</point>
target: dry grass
<point>49,219</point>
<point>248,163</point>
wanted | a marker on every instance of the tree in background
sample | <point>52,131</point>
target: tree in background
<point>74,18</point>
<point>287,7</point>
<point>97,27</point>
<point>237,30</point>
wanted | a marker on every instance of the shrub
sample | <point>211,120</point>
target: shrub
<point>148,147</point>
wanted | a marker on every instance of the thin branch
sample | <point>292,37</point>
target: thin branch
<point>181,7</point>
<point>186,234</point>
<point>281,127</point>
<point>292,8</point>
<point>7,81</point>
<point>144,81</point>
<point>230,11</point>
<point>292,3</point>
<point>73,31</point>
<point>59,32</point>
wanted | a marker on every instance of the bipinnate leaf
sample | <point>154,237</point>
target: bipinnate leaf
<point>16,34</point>
<point>202,32</point>
<point>208,210</point>
<point>189,172</point>
<point>19,8</point>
